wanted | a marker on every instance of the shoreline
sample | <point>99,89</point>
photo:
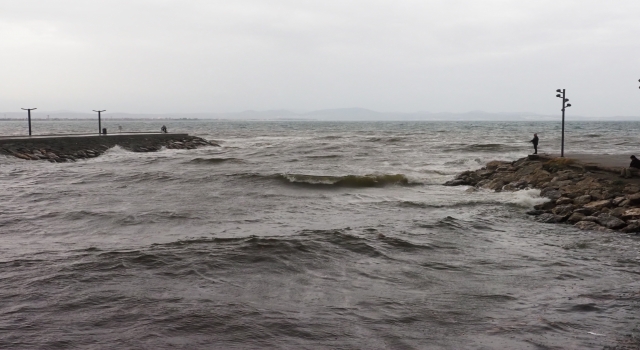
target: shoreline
<point>588,194</point>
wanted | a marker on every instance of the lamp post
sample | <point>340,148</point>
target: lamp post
<point>29,116</point>
<point>99,121</point>
<point>564,106</point>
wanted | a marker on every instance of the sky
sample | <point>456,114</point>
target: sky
<point>195,56</point>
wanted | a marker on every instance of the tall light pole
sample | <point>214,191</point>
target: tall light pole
<point>100,121</point>
<point>29,116</point>
<point>564,106</point>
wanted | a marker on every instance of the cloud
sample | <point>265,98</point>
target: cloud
<point>196,56</point>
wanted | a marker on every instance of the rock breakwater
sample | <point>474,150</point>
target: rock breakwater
<point>584,195</point>
<point>72,148</point>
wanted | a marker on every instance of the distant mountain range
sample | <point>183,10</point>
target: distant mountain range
<point>340,114</point>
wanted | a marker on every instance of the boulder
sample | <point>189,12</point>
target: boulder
<point>591,226</point>
<point>616,201</point>
<point>611,222</point>
<point>633,227</point>
<point>633,213</point>
<point>548,218</point>
<point>544,206</point>
<point>634,198</point>
<point>575,217</point>
<point>590,218</point>
<point>582,200</point>
<point>617,212</point>
<point>456,182</point>
<point>631,189</point>
<point>584,211</point>
<point>564,200</point>
<point>550,193</point>
<point>495,184</point>
<point>563,210</point>
<point>597,205</point>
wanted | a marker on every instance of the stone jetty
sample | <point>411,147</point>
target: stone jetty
<point>586,195</point>
<point>72,148</point>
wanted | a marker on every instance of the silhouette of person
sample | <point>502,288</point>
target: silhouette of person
<point>535,143</point>
<point>163,129</point>
<point>635,163</point>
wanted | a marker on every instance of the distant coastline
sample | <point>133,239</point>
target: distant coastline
<point>340,114</point>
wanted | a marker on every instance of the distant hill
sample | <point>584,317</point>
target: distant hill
<point>338,114</point>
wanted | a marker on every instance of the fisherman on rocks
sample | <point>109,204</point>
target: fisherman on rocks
<point>535,143</point>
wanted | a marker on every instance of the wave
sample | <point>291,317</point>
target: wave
<point>214,160</point>
<point>484,147</point>
<point>345,181</point>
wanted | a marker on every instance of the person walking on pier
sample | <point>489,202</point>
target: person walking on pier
<point>535,143</point>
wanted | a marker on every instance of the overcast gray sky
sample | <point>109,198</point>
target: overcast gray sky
<point>155,56</point>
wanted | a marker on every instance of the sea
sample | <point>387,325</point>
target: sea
<point>307,235</point>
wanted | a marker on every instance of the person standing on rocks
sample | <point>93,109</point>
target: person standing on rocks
<point>163,129</point>
<point>635,163</point>
<point>535,143</point>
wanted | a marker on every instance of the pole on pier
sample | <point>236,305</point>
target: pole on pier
<point>29,117</point>
<point>564,106</point>
<point>99,121</point>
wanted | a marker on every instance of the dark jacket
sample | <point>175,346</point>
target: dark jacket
<point>635,163</point>
<point>535,140</point>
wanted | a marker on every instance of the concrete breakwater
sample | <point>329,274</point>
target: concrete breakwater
<point>71,148</point>
<point>585,195</point>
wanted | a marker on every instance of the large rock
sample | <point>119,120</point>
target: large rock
<point>590,226</point>
<point>597,205</point>
<point>634,198</point>
<point>590,218</point>
<point>575,217</point>
<point>631,189</point>
<point>563,210</point>
<point>544,206</point>
<point>456,182</point>
<point>633,227</point>
<point>548,218</point>
<point>564,200</point>
<point>550,193</point>
<point>616,201</point>
<point>633,213</point>
<point>584,211</point>
<point>582,200</point>
<point>610,221</point>
<point>618,212</point>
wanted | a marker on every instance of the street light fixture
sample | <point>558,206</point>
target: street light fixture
<point>99,121</point>
<point>564,106</point>
<point>29,116</point>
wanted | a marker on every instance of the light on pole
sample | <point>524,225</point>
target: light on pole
<point>564,106</point>
<point>29,117</point>
<point>99,121</point>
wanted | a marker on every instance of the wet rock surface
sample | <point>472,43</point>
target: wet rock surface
<point>586,196</point>
<point>69,149</point>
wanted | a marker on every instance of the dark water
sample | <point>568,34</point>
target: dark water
<point>307,235</point>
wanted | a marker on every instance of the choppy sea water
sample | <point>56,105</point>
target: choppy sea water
<point>306,235</point>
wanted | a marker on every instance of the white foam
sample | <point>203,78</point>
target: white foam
<point>525,198</point>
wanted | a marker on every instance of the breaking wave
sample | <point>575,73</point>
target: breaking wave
<point>346,181</point>
<point>214,160</point>
<point>484,147</point>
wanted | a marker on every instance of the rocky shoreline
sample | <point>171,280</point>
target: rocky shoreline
<point>69,149</point>
<point>584,195</point>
